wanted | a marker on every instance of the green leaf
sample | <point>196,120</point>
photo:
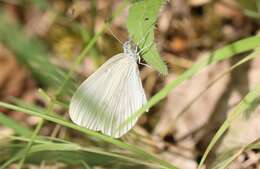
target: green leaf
<point>141,19</point>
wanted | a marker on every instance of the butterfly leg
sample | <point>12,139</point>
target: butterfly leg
<point>139,62</point>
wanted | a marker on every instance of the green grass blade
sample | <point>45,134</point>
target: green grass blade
<point>217,56</point>
<point>56,119</point>
<point>79,59</point>
<point>28,146</point>
<point>34,55</point>
<point>141,19</point>
<point>43,145</point>
<point>255,145</point>
<point>251,8</point>
<point>42,139</point>
<point>253,55</point>
<point>224,159</point>
<point>243,106</point>
<point>18,128</point>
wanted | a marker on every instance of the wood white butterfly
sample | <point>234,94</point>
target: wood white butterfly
<point>107,98</point>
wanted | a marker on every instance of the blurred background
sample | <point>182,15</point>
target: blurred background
<point>40,41</point>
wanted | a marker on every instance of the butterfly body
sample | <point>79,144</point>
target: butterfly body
<point>105,100</point>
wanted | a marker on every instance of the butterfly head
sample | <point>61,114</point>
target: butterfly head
<point>130,48</point>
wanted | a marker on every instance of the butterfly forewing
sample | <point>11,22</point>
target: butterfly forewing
<point>109,97</point>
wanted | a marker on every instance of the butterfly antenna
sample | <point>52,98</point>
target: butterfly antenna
<point>110,30</point>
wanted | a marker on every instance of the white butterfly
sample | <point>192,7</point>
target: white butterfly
<point>106,99</point>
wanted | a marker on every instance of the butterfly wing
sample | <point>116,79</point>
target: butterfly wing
<point>109,97</point>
